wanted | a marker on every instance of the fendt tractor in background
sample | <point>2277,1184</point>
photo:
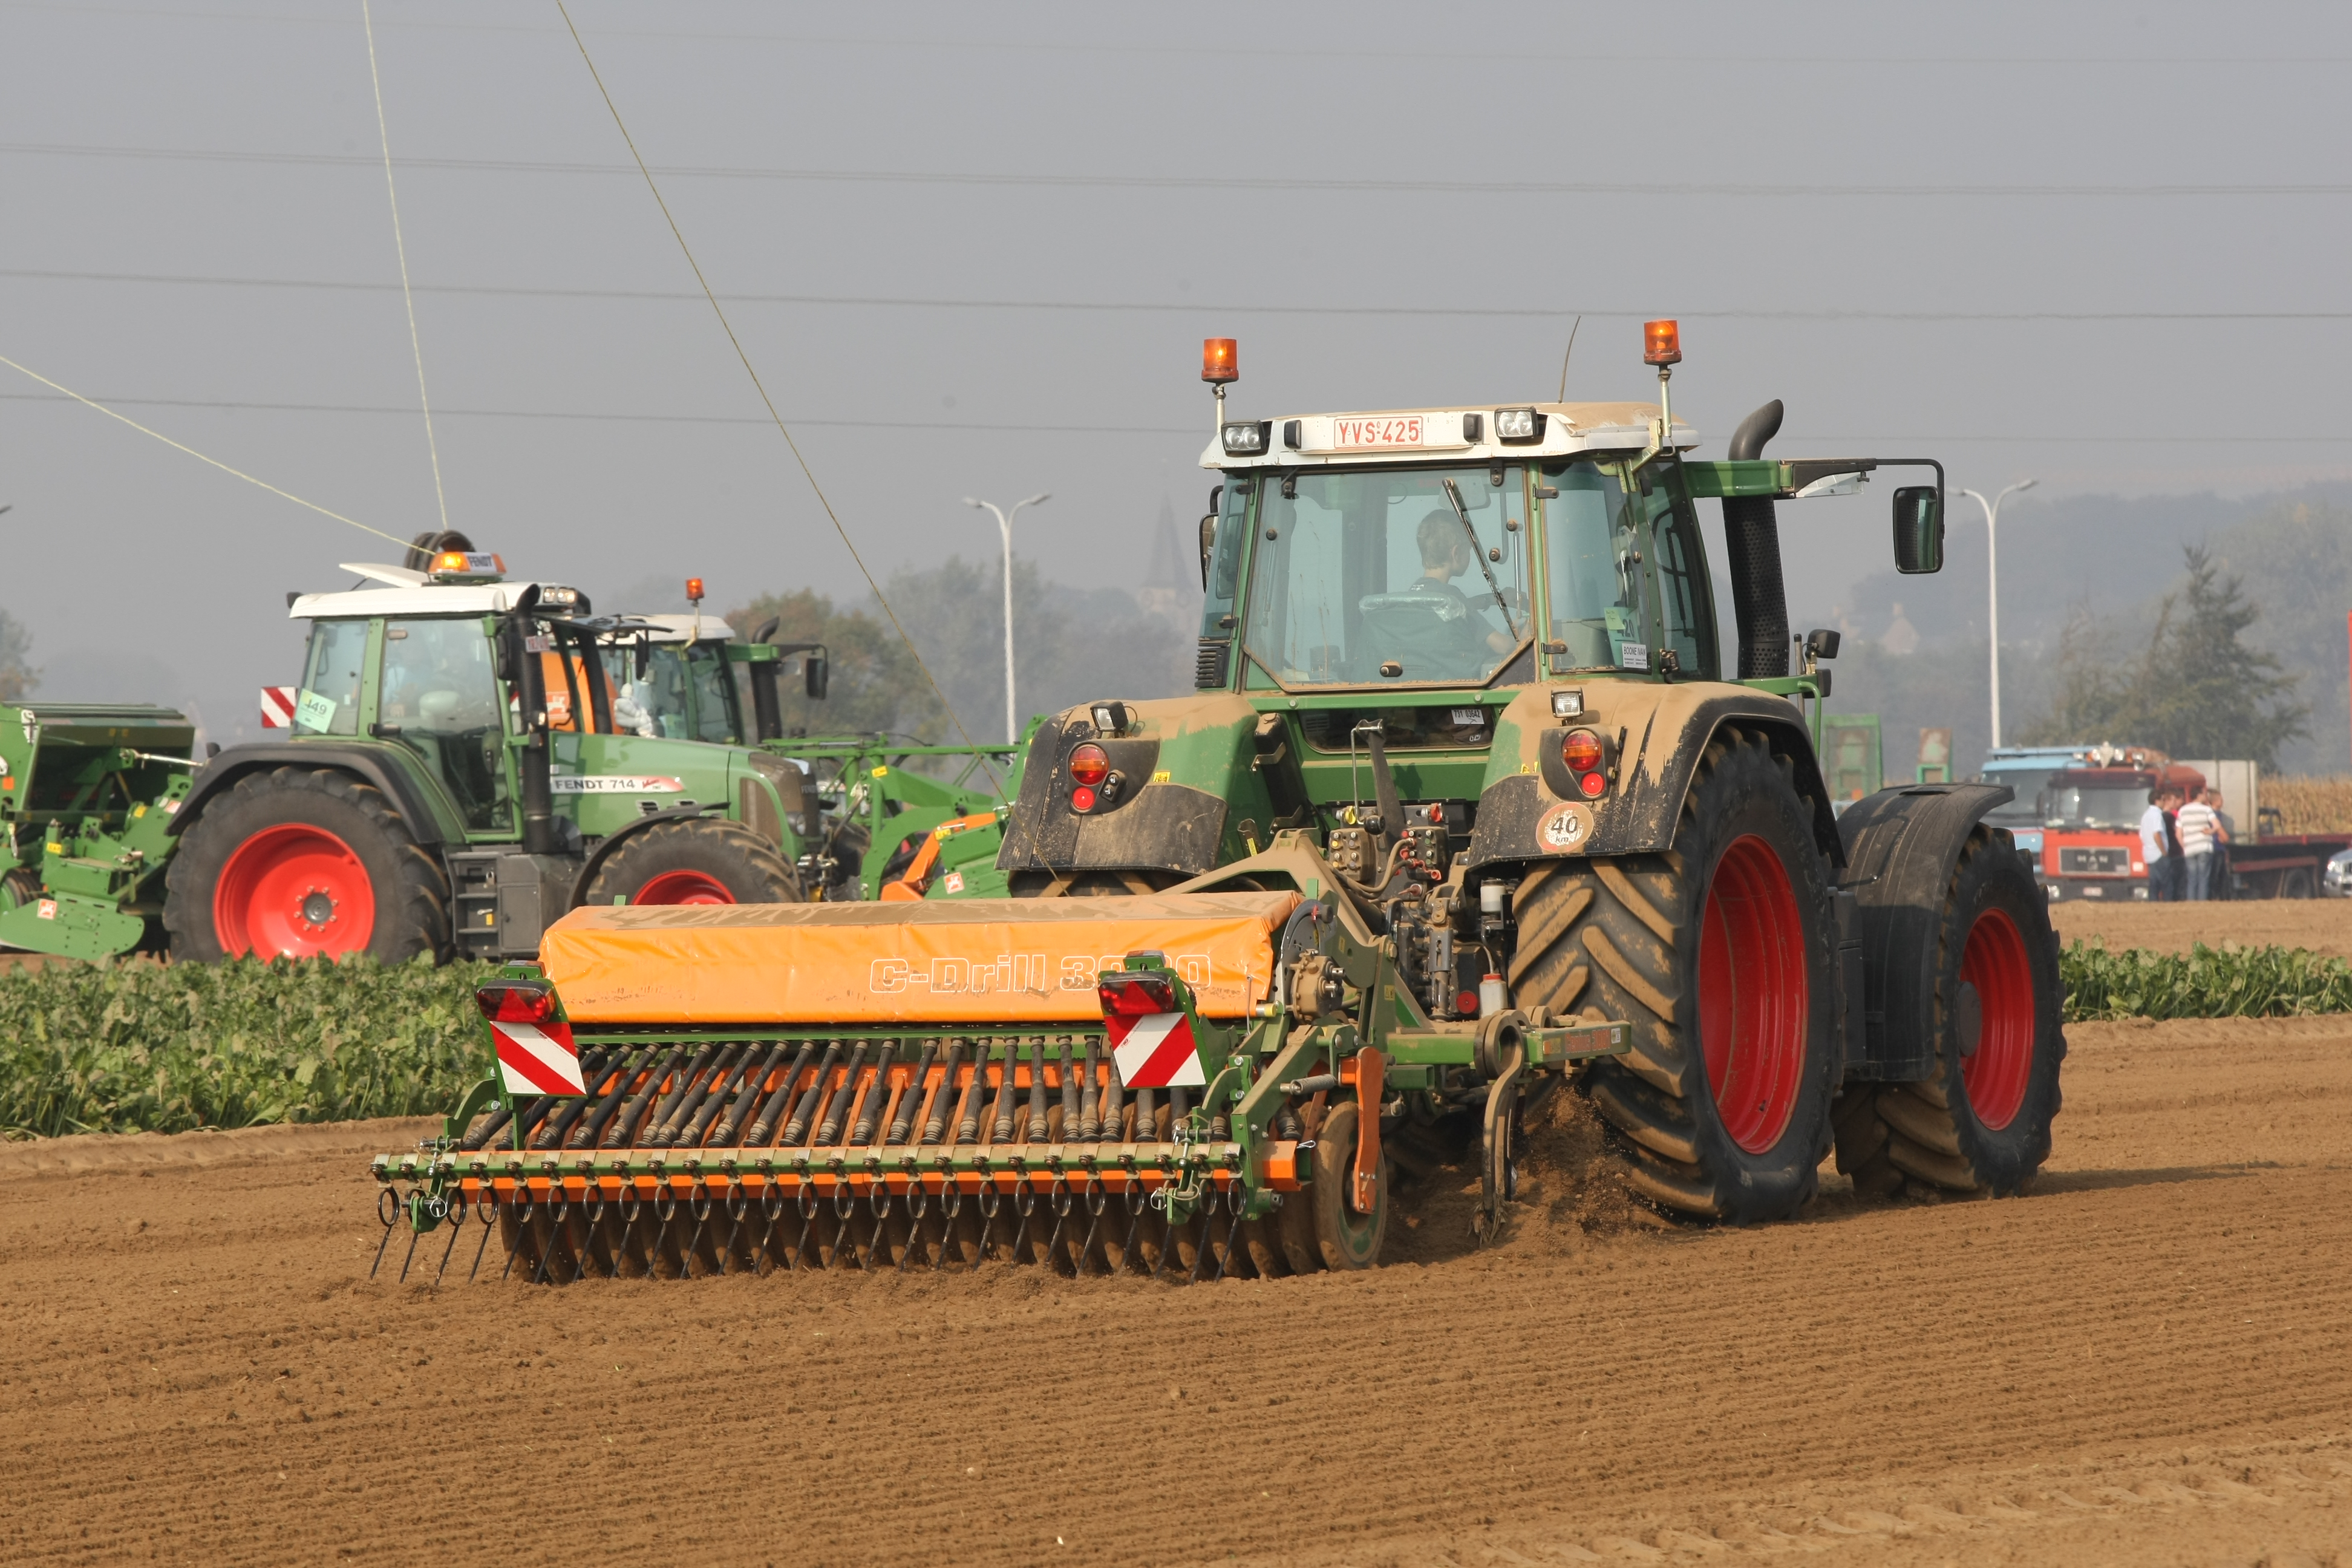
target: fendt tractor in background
<point>1469,804</point>
<point>2088,802</point>
<point>467,758</point>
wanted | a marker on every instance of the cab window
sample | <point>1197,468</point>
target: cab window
<point>1591,544</point>
<point>439,698</point>
<point>1685,604</point>
<point>329,702</point>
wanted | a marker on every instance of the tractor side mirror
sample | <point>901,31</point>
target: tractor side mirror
<point>645,660</point>
<point>819,671</point>
<point>1821,642</point>
<point>1918,529</point>
<point>1208,547</point>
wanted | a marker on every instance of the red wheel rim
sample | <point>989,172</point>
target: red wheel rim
<point>293,889</point>
<point>684,888</point>
<point>1997,1072</point>
<point>1752,997</point>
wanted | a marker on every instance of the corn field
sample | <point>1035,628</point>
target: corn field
<point>2310,805</point>
<point>136,1045</point>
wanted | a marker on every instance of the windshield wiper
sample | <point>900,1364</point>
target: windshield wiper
<point>1478,551</point>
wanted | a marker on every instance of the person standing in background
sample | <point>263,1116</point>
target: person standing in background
<point>2157,844</point>
<point>2222,885</point>
<point>2199,827</point>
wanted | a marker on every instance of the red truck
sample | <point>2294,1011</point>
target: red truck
<point>2091,847</point>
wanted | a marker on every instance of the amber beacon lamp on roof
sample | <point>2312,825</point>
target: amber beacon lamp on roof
<point>1470,807</point>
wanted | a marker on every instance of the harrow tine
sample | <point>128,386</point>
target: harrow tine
<point>844,1239</point>
<point>1136,1202</point>
<point>521,1207</point>
<point>808,1223</point>
<point>768,1231</point>
<point>489,1199</point>
<point>582,1243</point>
<point>1203,1247</point>
<point>698,1206</point>
<point>414,1235</point>
<point>737,1204</point>
<point>918,1205</point>
<point>990,1202</point>
<point>1024,1203</point>
<point>391,1217</point>
<point>1059,1198</point>
<point>878,1201</point>
<point>951,1210</point>
<point>558,1209</point>
<point>665,1210</point>
<point>1236,1203</point>
<point>1097,1200</point>
<point>457,1224</point>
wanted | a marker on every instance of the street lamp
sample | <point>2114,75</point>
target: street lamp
<point>1992,585</point>
<point>1004,526</point>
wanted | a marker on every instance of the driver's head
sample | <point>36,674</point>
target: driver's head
<point>1441,541</point>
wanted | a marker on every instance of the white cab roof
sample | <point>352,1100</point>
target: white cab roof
<point>675,628</point>
<point>1392,436</point>
<point>406,593</point>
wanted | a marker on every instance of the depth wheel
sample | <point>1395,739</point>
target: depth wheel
<point>1980,1121</point>
<point>1345,1238</point>
<point>1719,953</point>
<point>693,860</point>
<point>300,862</point>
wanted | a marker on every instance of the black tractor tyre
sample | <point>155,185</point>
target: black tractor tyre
<point>699,859</point>
<point>1720,953</point>
<point>259,832</point>
<point>1981,1123</point>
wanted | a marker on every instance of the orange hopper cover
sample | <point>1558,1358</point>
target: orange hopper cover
<point>973,960</point>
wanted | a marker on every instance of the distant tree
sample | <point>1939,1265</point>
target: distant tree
<point>17,677</point>
<point>875,687</point>
<point>2192,688</point>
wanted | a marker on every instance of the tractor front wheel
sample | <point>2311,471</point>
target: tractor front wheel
<point>1719,953</point>
<point>1980,1121</point>
<point>301,862</point>
<point>693,860</point>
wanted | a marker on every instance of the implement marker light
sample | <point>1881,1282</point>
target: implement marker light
<point>1662,343</point>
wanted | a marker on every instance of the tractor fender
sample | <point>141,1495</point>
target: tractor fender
<point>1656,735</point>
<point>621,835</point>
<point>1159,822</point>
<point>1902,845</point>
<point>398,783</point>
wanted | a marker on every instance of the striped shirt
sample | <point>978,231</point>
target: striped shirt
<point>2195,823</point>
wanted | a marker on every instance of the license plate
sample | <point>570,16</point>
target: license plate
<point>1373,435</point>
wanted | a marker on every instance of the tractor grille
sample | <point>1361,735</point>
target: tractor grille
<point>2114,862</point>
<point>1208,673</point>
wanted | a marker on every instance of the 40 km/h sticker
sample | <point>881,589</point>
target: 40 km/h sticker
<point>1565,830</point>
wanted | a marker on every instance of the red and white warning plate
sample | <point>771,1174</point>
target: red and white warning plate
<point>1154,1051</point>
<point>537,1060</point>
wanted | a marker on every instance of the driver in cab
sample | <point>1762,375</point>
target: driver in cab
<point>1445,554</point>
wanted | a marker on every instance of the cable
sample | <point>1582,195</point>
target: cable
<point>1278,184</point>
<point>192,452</point>
<point>761,387</point>
<point>417,345</point>
<point>1159,307</point>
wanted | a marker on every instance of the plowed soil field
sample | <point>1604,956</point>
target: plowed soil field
<point>2323,925</point>
<point>2148,1360</point>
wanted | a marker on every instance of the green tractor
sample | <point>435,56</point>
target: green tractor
<point>466,758</point>
<point>1472,803</point>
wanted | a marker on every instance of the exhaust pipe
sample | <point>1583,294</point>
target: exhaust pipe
<point>1751,538</point>
<point>534,762</point>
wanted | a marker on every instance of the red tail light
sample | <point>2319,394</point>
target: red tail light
<point>1581,750</point>
<point>516,1002</point>
<point>1134,995</point>
<point>1089,764</point>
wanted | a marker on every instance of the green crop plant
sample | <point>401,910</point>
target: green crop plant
<point>2228,982</point>
<point>134,1045</point>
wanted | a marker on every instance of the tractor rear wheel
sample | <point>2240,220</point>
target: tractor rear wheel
<point>1980,1121</point>
<point>301,862</point>
<point>1719,953</point>
<point>693,860</point>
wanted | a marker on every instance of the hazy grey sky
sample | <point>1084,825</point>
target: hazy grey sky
<point>973,250</point>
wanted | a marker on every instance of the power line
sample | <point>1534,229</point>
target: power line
<point>1258,49</point>
<point>1277,184</point>
<point>1162,307</point>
